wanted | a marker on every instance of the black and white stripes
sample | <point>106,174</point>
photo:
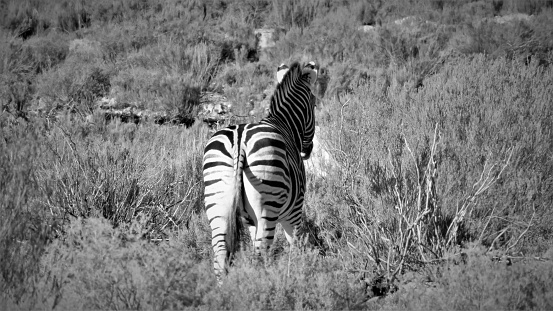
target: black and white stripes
<point>254,173</point>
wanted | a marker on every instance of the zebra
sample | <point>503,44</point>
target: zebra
<point>254,173</point>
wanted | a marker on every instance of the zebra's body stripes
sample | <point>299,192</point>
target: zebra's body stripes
<point>255,173</point>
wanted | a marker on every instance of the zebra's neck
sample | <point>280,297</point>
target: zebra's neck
<point>289,109</point>
<point>283,126</point>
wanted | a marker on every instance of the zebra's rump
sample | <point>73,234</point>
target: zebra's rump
<point>268,166</point>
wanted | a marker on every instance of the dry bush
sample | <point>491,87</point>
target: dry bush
<point>26,225</point>
<point>55,174</point>
<point>166,77</point>
<point>22,62</point>
<point>299,279</point>
<point>99,267</point>
<point>73,15</point>
<point>478,283</point>
<point>518,39</point>
<point>436,153</point>
<point>16,79</point>
<point>299,14</point>
<point>119,171</point>
<point>73,86</point>
<point>424,172</point>
<point>23,18</point>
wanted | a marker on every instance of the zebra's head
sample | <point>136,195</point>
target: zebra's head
<point>292,107</point>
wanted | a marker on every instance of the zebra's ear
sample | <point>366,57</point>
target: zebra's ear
<point>281,71</point>
<point>310,68</point>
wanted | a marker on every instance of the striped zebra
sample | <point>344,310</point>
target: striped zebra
<point>254,173</point>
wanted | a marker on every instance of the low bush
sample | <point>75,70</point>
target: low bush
<point>73,86</point>
<point>518,39</point>
<point>23,18</point>
<point>54,175</point>
<point>422,173</point>
<point>295,280</point>
<point>44,53</point>
<point>72,15</point>
<point>26,224</point>
<point>479,283</point>
<point>99,267</point>
<point>437,198</point>
<point>104,170</point>
<point>244,83</point>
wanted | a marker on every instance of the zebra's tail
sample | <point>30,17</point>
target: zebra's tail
<point>235,225</point>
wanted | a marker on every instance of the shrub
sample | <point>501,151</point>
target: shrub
<point>72,16</point>
<point>479,283</point>
<point>26,223</point>
<point>53,176</point>
<point>436,151</point>
<point>95,86</point>
<point>99,267</point>
<point>45,52</point>
<point>120,10</point>
<point>166,77</point>
<point>74,85</point>
<point>488,116</point>
<point>298,13</point>
<point>104,170</point>
<point>442,160</point>
<point>115,42</point>
<point>168,92</point>
<point>297,280</point>
<point>16,77</point>
<point>23,18</point>
<point>244,83</point>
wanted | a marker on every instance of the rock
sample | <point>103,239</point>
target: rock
<point>265,38</point>
<point>366,28</point>
<point>408,21</point>
<point>505,19</point>
<point>416,25</point>
<point>214,108</point>
<point>110,109</point>
<point>106,103</point>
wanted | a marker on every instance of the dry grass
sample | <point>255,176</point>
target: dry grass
<point>440,198</point>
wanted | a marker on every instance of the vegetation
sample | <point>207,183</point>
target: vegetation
<point>439,118</point>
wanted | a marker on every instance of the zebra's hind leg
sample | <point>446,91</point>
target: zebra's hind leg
<point>263,216</point>
<point>218,213</point>
<point>264,235</point>
<point>220,252</point>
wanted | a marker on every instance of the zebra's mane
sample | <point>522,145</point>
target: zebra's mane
<point>279,115</point>
<point>290,78</point>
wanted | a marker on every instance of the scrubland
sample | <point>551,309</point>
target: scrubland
<point>440,127</point>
